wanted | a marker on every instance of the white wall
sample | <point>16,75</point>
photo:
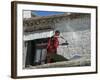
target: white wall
<point>77,32</point>
<point>79,44</point>
<point>38,35</point>
<point>26,14</point>
<point>5,43</point>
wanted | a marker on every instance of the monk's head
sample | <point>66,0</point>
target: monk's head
<point>57,33</point>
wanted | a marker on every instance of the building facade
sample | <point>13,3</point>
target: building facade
<point>74,27</point>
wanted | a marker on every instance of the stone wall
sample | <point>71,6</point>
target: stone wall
<point>77,32</point>
<point>79,44</point>
<point>76,24</point>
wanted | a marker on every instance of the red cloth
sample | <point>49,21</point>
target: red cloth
<point>52,45</point>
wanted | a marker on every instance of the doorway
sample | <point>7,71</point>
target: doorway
<point>36,52</point>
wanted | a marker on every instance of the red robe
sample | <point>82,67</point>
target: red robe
<point>52,45</point>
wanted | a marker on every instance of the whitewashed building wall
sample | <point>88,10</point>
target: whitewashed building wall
<point>79,44</point>
<point>78,34</point>
<point>27,14</point>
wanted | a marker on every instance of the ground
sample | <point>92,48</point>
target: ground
<point>82,61</point>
